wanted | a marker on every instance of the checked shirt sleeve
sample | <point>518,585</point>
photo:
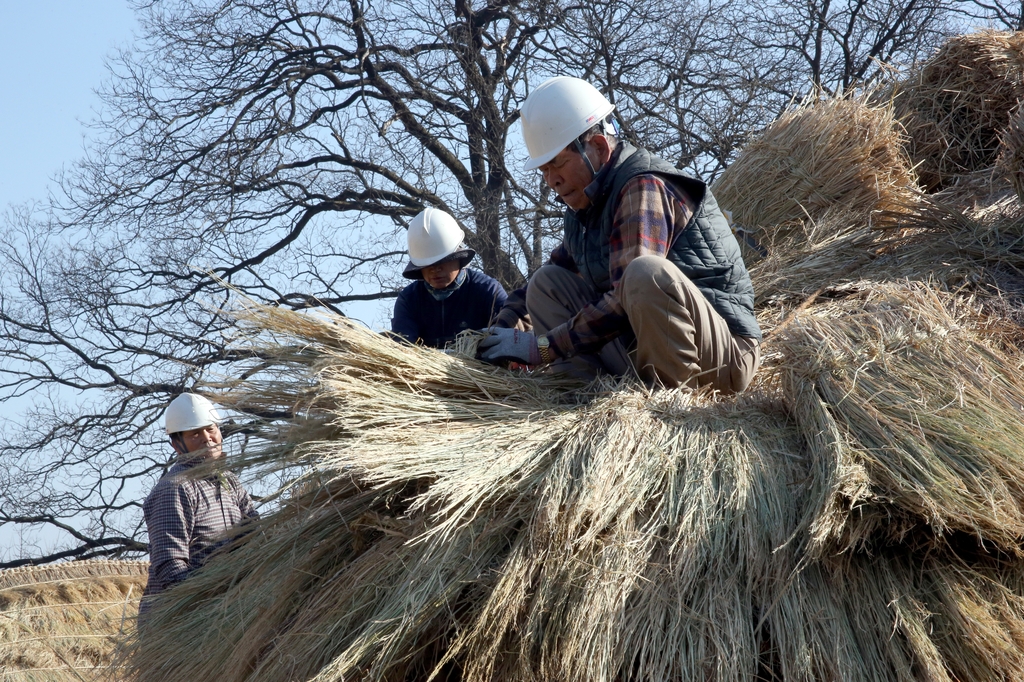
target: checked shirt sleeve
<point>170,516</point>
<point>649,216</point>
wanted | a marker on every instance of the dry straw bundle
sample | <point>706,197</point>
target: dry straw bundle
<point>823,156</point>
<point>62,622</point>
<point>1011,152</point>
<point>955,106</point>
<point>474,524</point>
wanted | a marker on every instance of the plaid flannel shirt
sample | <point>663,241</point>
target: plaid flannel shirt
<point>187,518</point>
<point>649,216</point>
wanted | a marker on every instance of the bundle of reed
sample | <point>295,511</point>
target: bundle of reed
<point>63,621</point>
<point>1011,153</point>
<point>822,156</point>
<point>915,419</point>
<point>476,524</point>
<point>954,106</point>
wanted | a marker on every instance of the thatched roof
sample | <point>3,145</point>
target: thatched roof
<point>857,514</point>
<point>63,621</point>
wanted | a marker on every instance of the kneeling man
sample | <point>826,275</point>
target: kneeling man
<point>648,277</point>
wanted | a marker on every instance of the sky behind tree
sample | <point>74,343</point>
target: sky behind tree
<point>52,54</point>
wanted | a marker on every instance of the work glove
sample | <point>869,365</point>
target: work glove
<point>509,344</point>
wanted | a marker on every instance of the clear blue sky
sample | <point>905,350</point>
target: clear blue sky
<point>51,61</point>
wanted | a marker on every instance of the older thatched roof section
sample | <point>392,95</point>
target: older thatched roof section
<point>63,621</point>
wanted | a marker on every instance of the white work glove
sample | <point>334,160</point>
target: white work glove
<point>509,344</point>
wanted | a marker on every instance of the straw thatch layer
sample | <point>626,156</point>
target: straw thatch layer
<point>1011,153</point>
<point>473,524</point>
<point>819,157</point>
<point>954,107</point>
<point>63,621</point>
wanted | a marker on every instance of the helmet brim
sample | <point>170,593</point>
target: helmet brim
<point>534,164</point>
<point>464,256</point>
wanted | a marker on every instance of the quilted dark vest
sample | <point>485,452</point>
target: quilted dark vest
<point>705,251</point>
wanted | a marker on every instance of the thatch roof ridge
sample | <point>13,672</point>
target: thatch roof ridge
<point>71,570</point>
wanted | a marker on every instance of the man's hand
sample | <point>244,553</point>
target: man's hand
<point>509,344</point>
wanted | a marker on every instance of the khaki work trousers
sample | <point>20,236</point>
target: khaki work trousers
<point>680,338</point>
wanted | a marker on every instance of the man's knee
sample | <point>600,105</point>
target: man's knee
<point>553,282</point>
<point>555,295</point>
<point>646,274</point>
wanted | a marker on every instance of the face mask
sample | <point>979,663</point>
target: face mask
<point>441,294</point>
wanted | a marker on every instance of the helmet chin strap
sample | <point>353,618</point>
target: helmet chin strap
<point>178,440</point>
<point>586,159</point>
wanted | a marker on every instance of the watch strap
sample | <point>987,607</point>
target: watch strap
<point>544,348</point>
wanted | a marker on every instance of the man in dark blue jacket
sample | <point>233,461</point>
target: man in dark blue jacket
<point>447,297</point>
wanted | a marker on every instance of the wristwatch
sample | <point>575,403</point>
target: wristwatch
<point>544,347</point>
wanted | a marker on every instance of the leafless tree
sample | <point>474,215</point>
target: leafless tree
<point>684,86</point>
<point>1008,16</point>
<point>280,146</point>
<point>836,46</point>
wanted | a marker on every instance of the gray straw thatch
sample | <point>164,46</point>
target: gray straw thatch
<point>956,104</point>
<point>63,621</point>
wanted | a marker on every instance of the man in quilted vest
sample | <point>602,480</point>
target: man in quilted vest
<point>648,277</point>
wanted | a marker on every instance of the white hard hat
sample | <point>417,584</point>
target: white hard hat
<point>188,412</point>
<point>434,236</point>
<point>558,112</point>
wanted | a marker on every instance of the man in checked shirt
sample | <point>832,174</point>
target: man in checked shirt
<point>187,516</point>
<point>648,277</point>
